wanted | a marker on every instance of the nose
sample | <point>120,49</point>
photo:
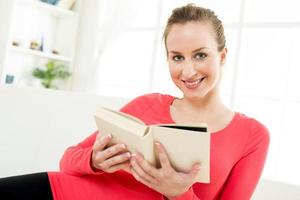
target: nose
<point>189,69</point>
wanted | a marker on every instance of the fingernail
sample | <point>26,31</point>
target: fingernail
<point>109,136</point>
<point>157,144</point>
<point>128,155</point>
<point>132,161</point>
<point>123,146</point>
<point>133,155</point>
<point>136,157</point>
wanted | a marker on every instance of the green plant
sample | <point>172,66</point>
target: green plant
<point>53,71</point>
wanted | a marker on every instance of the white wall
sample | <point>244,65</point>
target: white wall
<point>83,75</point>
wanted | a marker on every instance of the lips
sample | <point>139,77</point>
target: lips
<point>192,84</point>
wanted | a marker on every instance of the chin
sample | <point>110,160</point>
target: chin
<point>194,95</point>
<point>200,93</point>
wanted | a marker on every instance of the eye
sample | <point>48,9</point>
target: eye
<point>200,56</point>
<point>177,58</point>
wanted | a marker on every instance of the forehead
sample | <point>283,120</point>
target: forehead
<point>192,35</point>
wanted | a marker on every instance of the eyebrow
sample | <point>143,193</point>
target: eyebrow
<point>201,48</point>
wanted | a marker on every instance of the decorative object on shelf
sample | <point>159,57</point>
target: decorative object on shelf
<point>15,43</point>
<point>9,79</point>
<point>56,52</point>
<point>53,2</point>
<point>41,48</point>
<point>66,4</point>
<point>34,45</point>
<point>53,71</point>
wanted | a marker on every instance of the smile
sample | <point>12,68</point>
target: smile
<point>192,84</point>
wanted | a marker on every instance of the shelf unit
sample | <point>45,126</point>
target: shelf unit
<point>41,54</point>
<point>24,21</point>
<point>49,9</point>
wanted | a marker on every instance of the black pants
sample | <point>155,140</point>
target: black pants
<point>26,187</point>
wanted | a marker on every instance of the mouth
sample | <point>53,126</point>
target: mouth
<point>192,84</point>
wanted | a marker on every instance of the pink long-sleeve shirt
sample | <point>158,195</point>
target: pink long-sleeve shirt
<point>238,155</point>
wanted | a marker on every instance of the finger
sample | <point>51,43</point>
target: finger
<point>117,167</point>
<point>101,156</point>
<point>117,159</point>
<point>141,179</point>
<point>146,166</point>
<point>140,171</point>
<point>193,173</point>
<point>101,142</point>
<point>163,156</point>
<point>112,151</point>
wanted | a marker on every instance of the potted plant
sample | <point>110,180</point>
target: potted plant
<point>53,71</point>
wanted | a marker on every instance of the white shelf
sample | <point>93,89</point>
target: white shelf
<point>41,54</point>
<point>25,20</point>
<point>50,9</point>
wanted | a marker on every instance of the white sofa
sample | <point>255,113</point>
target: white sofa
<point>37,125</point>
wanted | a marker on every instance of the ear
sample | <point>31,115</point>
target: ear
<point>223,54</point>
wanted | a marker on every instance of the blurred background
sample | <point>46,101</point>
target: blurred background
<point>115,48</point>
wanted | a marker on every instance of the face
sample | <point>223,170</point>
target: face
<point>193,57</point>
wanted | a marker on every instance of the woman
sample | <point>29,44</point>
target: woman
<point>196,52</point>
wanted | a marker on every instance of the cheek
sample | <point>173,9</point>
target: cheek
<point>212,71</point>
<point>174,70</point>
<point>214,68</point>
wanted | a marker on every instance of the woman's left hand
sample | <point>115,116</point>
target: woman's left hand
<point>164,180</point>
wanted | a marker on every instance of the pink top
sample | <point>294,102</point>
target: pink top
<point>238,155</point>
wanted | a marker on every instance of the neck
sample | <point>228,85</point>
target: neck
<point>210,103</point>
<point>209,109</point>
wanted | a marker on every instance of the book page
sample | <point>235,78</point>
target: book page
<point>125,130</point>
<point>185,148</point>
<point>199,127</point>
<point>125,121</point>
<point>121,134</point>
<point>130,117</point>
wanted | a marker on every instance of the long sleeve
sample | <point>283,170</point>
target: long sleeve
<point>76,159</point>
<point>189,195</point>
<point>245,175</point>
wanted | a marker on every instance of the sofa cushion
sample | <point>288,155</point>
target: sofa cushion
<point>36,125</point>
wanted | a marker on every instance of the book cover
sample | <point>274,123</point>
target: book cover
<point>185,144</point>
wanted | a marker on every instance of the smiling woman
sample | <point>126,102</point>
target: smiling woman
<point>196,50</point>
<point>197,63</point>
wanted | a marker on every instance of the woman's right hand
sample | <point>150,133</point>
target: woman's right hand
<point>109,159</point>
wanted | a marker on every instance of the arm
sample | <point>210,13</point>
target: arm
<point>189,195</point>
<point>76,159</point>
<point>247,171</point>
<point>171,184</point>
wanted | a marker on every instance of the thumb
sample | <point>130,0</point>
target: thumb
<point>195,170</point>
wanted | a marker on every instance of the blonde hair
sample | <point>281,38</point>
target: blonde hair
<point>193,13</point>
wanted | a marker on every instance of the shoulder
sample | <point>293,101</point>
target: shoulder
<point>252,124</point>
<point>141,104</point>
<point>149,99</point>
<point>257,132</point>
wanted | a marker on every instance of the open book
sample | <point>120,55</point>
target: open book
<point>185,144</point>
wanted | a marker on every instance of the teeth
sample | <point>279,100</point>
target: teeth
<point>193,84</point>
